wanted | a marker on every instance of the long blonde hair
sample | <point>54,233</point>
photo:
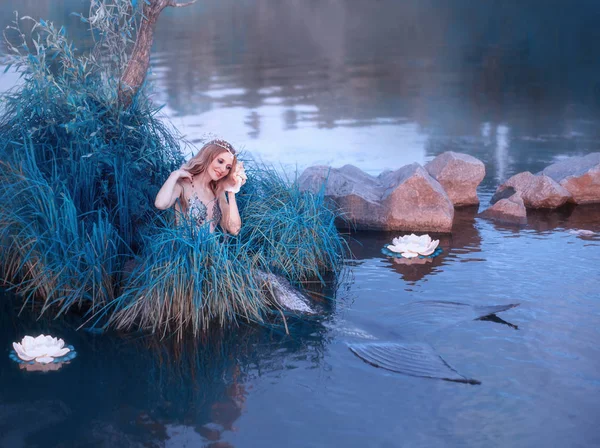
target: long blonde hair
<point>198,164</point>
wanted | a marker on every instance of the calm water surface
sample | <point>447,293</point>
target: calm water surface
<point>376,84</point>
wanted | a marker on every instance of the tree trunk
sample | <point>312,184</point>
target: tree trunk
<point>137,67</point>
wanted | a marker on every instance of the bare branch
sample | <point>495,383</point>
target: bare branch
<point>174,4</point>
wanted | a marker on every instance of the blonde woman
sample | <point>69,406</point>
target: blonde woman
<point>206,186</point>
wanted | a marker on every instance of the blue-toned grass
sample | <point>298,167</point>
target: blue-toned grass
<point>50,255</point>
<point>292,230</point>
<point>189,279</point>
<point>66,111</point>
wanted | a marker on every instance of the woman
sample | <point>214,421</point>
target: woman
<point>206,186</point>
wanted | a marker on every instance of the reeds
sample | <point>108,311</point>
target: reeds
<point>292,230</point>
<point>187,278</point>
<point>66,112</point>
<point>48,251</point>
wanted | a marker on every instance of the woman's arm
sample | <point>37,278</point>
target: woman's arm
<point>231,222</point>
<point>171,189</point>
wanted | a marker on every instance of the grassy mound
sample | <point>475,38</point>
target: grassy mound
<point>77,183</point>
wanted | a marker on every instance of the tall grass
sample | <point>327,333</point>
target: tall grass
<point>187,278</point>
<point>78,178</point>
<point>66,111</point>
<point>292,230</point>
<point>48,252</point>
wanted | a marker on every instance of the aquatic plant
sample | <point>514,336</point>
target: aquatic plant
<point>66,111</point>
<point>411,246</point>
<point>79,174</point>
<point>294,231</point>
<point>49,250</point>
<point>187,278</point>
<point>43,349</point>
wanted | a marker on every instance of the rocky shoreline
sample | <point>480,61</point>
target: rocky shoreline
<point>423,198</point>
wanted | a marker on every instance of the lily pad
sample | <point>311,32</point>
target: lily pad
<point>66,358</point>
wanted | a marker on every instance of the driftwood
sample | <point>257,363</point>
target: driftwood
<point>137,67</point>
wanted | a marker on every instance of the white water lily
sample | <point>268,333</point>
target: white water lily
<point>42,349</point>
<point>411,246</point>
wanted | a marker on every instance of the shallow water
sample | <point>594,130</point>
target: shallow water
<point>299,83</point>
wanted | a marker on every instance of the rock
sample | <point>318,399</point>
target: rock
<point>459,174</point>
<point>405,199</point>
<point>414,200</point>
<point>355,192</point>
<point>580,176</point>
<point>510,210</point>
<point>539,191</point>
<point>345,181</point>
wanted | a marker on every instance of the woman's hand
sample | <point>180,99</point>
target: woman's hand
<point>235,180</point>
<point>184,174</point>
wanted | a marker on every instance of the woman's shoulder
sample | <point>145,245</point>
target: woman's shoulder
<point>184,185</point>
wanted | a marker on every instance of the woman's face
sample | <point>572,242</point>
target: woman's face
<point>220,166</point>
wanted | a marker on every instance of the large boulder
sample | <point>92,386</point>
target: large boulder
<point>459,174</point>
<point>416,201</point>
<point>345,181</point>
<point>355,192</point>
<point>539,191</point>
<point>509,210</point>
<point>405,199</point>
<point>580,176</point>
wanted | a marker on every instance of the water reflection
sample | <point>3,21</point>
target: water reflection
<point>502,145</point>
<point>140,390</point>
<point>460,246</point>
<point>465,240</point>
<point>568,217</point>
<point>39,367</point>
<point>583,217</point>
<point>547,220</point>
<point>292,90</point>
<point>416,271</point>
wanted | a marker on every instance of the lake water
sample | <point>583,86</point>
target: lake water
<point>377,84</point>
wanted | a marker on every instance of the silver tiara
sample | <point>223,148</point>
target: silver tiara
<point>213,139</point>
<point>223,144</point>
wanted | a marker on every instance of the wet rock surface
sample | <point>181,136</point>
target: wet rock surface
<point>422,199</point>
<point>405,199</point>
<point>509,211</point>
<point>459,174</point>
<point>580,176</point>
<point>537,191</point>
